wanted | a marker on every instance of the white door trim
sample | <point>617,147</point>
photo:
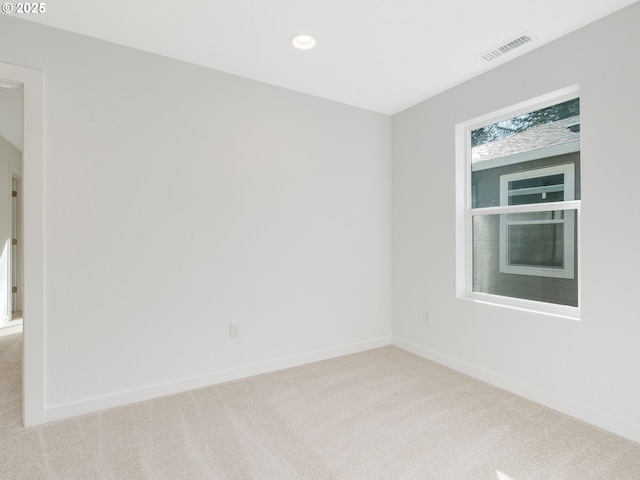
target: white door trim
<point>33,379</point>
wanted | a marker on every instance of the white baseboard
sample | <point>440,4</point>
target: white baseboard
<point>59,412</point>
<point>568,407</point>
<point>10,329</point>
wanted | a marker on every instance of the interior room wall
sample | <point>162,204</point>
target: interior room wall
<point>179,200</point>
<point>587,368</point>
<point>10,160</point>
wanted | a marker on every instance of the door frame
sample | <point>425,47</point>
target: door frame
<point>33,371</point>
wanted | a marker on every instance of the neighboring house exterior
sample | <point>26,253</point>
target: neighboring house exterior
<point>528,255</point>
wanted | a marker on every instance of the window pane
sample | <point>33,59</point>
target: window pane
<point>538,197</point>
<point>526,182</point>
<point>566,111</point>
<point>548,188</point>
<point>532,248</point>
<point>538,245</point>
<point>544,181</point>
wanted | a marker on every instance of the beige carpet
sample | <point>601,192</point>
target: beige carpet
<point>381,414</point>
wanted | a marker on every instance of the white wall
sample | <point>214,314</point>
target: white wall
<point>179,199</point>
<point>10,161</point>
<point>587,368</point>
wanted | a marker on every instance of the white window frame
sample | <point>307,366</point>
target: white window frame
<point>567,222</point>
<point>465,213</point>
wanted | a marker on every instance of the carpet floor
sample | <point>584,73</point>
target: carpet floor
<point>380,414</point>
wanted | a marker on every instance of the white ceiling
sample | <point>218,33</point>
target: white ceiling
<point>381,55</point>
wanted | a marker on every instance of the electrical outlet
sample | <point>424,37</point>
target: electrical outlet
<point>426,317</point>
<point>234,330</point>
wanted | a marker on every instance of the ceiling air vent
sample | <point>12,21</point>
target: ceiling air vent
<point>507,47</point>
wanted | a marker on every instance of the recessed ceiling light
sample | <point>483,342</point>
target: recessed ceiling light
<point>303,41</point>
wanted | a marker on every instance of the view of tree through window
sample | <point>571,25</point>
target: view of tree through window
<point>524,122</point>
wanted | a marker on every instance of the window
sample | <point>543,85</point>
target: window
<point>551,254</point>
<point>518,206</point>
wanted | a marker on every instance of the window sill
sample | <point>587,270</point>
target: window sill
<point>542,308</point>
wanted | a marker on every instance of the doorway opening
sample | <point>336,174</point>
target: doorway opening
<point>11,148</point>
<point>11,261</point>
<point>22,226</point>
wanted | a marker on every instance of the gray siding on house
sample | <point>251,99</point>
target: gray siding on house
<point>487,277</point>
